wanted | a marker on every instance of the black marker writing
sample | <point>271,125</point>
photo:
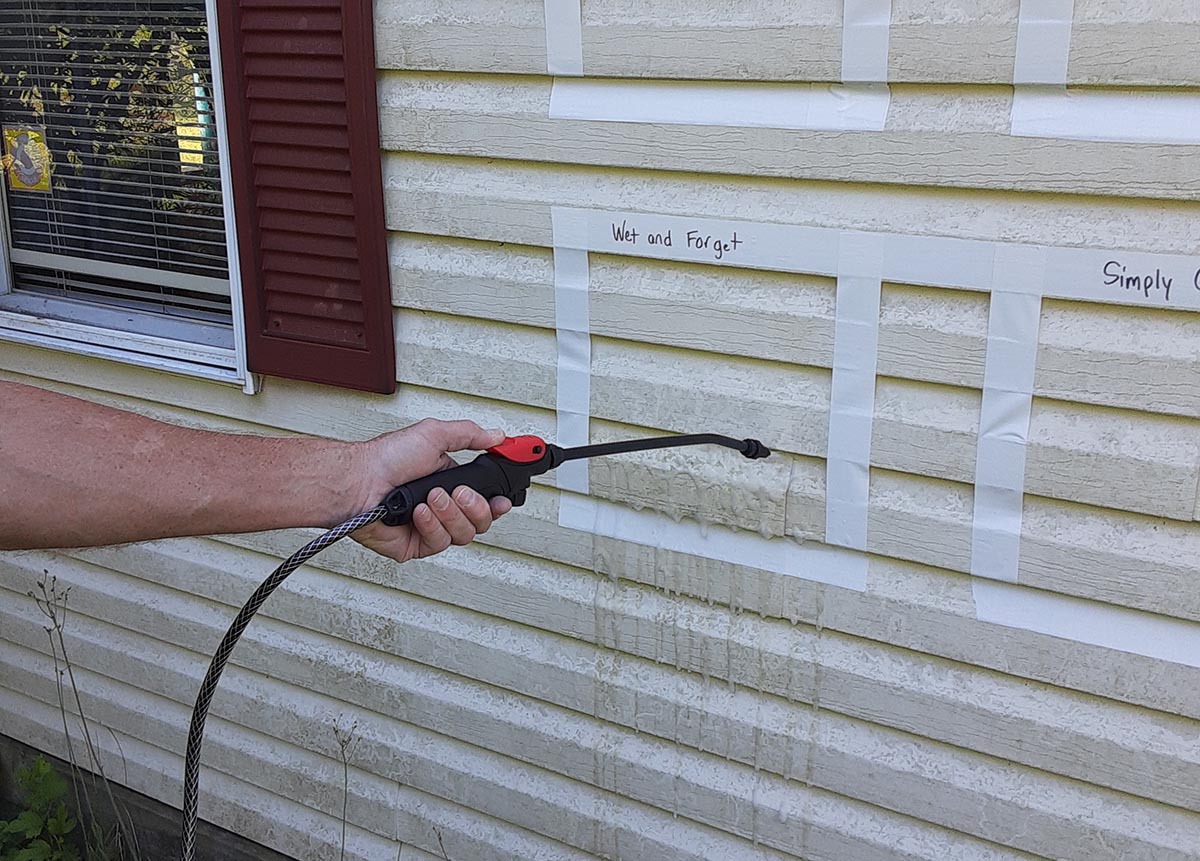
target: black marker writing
<point>623,233</point>
<point>719,247</point>
<point>1116,274</point>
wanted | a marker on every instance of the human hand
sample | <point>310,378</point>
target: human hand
<point>443,519</point>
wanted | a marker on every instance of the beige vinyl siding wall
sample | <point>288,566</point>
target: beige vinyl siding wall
<point>552,694</point>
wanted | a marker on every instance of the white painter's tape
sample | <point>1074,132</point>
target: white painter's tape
<point>1092,622</point>
<point>1127,277</point>
<point>866,26</point>
<point>1043,42</point>
<point>1117,276</point>
<point>852,395</point>
<point>748,244</point>
<point>816,562</point>
<point>564,37</point>
<point>570,227</point>
<point>722,103</point>
<point>1013,323</point>
<point>938,261</point>
<point>1163,117</point>
<point>849,107</point>
<point>574,360</point>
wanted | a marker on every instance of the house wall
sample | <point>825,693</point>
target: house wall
<point>740,689</point>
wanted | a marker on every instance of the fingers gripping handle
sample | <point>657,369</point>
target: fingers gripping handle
<point>487,475</point>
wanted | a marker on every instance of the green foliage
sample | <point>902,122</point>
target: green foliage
<point>39,832</point>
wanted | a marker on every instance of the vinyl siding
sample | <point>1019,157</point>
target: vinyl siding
<point>548,693</point>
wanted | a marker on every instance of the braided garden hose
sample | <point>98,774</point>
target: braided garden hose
<point>191,768</point>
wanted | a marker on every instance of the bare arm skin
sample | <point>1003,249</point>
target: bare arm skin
<point>77,474</point>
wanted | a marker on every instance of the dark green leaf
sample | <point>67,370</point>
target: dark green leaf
<point>29,823</point>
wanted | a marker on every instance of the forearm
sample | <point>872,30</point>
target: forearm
<point>76,474</point>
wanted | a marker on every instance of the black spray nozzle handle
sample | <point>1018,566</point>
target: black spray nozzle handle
<point>489,475</point>
<point>506,470</point>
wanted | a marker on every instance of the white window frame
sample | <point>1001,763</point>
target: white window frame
<point>173,346</point>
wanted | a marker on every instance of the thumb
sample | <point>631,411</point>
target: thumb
<point>462,435</point>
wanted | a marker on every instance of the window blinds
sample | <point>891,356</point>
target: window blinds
<point>109,111</point>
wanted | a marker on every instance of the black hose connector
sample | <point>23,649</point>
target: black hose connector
<point>754,449</point>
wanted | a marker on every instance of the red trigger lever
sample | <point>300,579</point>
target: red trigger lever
<point>520,449</point>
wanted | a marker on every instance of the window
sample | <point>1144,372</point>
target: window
<point>115,214</point>
<point>137,133</point>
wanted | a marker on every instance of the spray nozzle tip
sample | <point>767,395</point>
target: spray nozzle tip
<point>754,449</point>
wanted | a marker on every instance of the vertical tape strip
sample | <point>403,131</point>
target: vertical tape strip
<point>866,28</point>
<point>564,37</point>
<point>1013,323</point>
<point>574,361</point>
<point>852,398</point>
<point>1043,42</point>
<point>573,329</point>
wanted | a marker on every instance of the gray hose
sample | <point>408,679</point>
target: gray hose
<point>191,767</point>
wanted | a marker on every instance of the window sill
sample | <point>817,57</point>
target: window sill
<point>193,349</point>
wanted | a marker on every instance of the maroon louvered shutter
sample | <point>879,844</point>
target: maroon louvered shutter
<point>307,188</point>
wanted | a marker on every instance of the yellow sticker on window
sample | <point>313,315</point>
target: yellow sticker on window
<point>26,160</point>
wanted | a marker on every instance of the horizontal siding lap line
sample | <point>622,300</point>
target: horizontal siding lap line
<point>238,688</point>
<point>984,742</point>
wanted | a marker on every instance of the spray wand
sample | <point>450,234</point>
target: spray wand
<point>504,470</point>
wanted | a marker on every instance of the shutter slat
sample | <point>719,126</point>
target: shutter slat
<point>303,121</point>
<point>291,199</point>
<point>318,159</point>
<point>309,243</point>
<point>271,66</point>
<point>318,330</point>
<point>311,264</point>
<point>322,288</point>
<point>307,306</point>
<point>293,5</point>
<point>291,42</point>
<point>306,180</point>
<point>317,91</point>
<point>306,112</point>
<point>301,136</point>
<point>304,222</point>
<point>315,20</point>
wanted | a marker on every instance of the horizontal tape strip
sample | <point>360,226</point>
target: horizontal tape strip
<point>1115,276</point>
<point>1105,625</point>
<point>1103,115</point>
<point>831,107</point>
<point>810,561</point>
